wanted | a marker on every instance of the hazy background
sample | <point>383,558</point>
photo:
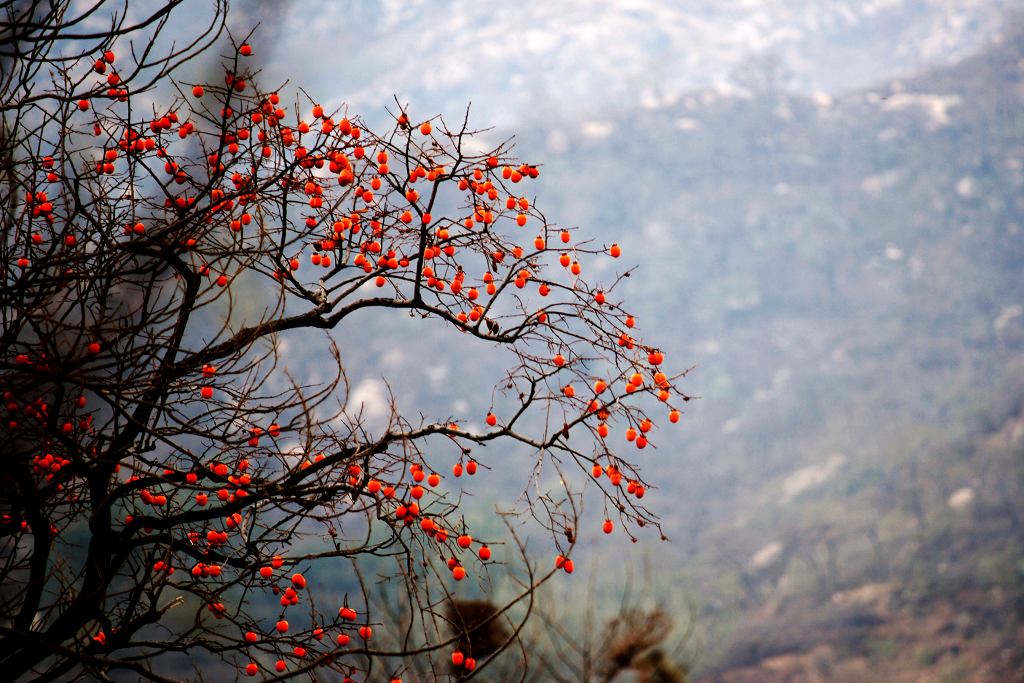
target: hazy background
<point>825,201</point>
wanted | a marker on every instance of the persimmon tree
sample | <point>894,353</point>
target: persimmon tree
<point>172,483</point>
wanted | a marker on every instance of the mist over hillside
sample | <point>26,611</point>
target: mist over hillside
<point>575,56</point>
<point>811,252</point>
<point>847,273</point>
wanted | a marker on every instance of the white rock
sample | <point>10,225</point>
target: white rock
<point>961,498</point>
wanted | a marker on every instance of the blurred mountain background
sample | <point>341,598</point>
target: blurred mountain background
<point>825,200</point>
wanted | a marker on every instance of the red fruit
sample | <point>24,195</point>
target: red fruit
<point>615,251</point>
<point>252,668</point>
<point>365,632</point>
<point>280,665</point>
<point>459,573</point>
<point>673,416</point>
<point>471,467</point>
<point>465,541</point>
<point>607,526</point>
<point>83,105</point>
<point>282,626</point>
<point>425,128</point>
<point>94,348</point>
<point>485,553</point>
<point>491,419</point>
<point>207,392</point>
<point>299,581</point>
<point>197,91</point>
<point>458,658</point>
<point>251,637</point>
<point>245,50</point>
